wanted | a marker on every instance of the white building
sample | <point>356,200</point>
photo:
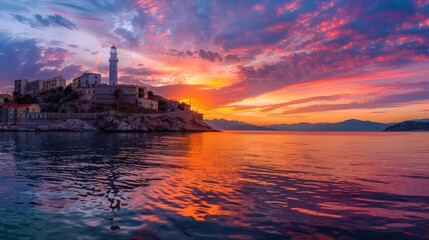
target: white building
<point>113,67</point>
<point>87,80</point>
<point>148,103</point>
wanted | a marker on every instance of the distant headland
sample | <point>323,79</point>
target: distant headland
<point>88,104</point>
<point>407,126</point>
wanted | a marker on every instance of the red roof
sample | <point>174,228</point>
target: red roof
<point>14,105</point>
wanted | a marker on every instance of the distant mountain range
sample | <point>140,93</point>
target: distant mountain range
<point>222,124</point>
<point>348,125</point>
<point>409,126</point>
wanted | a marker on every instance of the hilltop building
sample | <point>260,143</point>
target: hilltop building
<point>122,93</point>
<point>147,103</point>
<point>23,86</point>
<point>113,66</point>
<point>85,85</point>
<point>87,80</point>
<point>20,86</point>
<point>90,87</point>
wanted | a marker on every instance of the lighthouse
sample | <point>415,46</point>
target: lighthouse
<point>113,68</point>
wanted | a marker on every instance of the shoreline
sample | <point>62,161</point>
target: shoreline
<point>100,131</point>
<point>183,122</point>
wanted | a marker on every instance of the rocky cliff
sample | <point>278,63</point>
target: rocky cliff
<point>149,123</point>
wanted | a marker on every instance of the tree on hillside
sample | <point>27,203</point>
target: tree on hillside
<point>16,96</point>
<point>150,95</point>
<point>68,90</point>
<point>162,105</point>
<point>20,99</point>
<point>181,106</point>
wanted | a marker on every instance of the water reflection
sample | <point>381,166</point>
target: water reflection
<point>213,185</point>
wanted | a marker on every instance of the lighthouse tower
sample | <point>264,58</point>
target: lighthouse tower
<point>113,68</point>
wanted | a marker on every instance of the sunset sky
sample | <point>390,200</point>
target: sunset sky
<point>261,62</point>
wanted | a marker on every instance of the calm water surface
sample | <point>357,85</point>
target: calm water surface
<point>230,185</point>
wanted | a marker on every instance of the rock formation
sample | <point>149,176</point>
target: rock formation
<point>69,125</point>
<point>148,123</point>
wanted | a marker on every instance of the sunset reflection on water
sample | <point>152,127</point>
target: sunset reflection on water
<point>235,185</point>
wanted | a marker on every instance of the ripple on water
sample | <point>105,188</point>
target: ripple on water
<point>211,185</point>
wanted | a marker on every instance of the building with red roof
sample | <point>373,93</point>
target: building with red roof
<point>15,113</point>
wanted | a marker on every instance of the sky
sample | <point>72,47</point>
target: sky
<point>262,62</point>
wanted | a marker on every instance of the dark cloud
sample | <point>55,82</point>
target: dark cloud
<point>230,58</point>
<point>46,21</point>
<point>20,18</point>
<point>206,55</point>
<point>210,56</point>
<point>25,59</point>
<point>56,20</point>
<point>72,6</point>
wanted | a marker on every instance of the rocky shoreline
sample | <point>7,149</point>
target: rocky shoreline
<point>121,123</point>
<point>147,123</point>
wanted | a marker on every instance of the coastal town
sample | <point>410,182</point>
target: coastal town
<point>86,103</point>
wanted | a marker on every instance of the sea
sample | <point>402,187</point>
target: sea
<point>214,185</point>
